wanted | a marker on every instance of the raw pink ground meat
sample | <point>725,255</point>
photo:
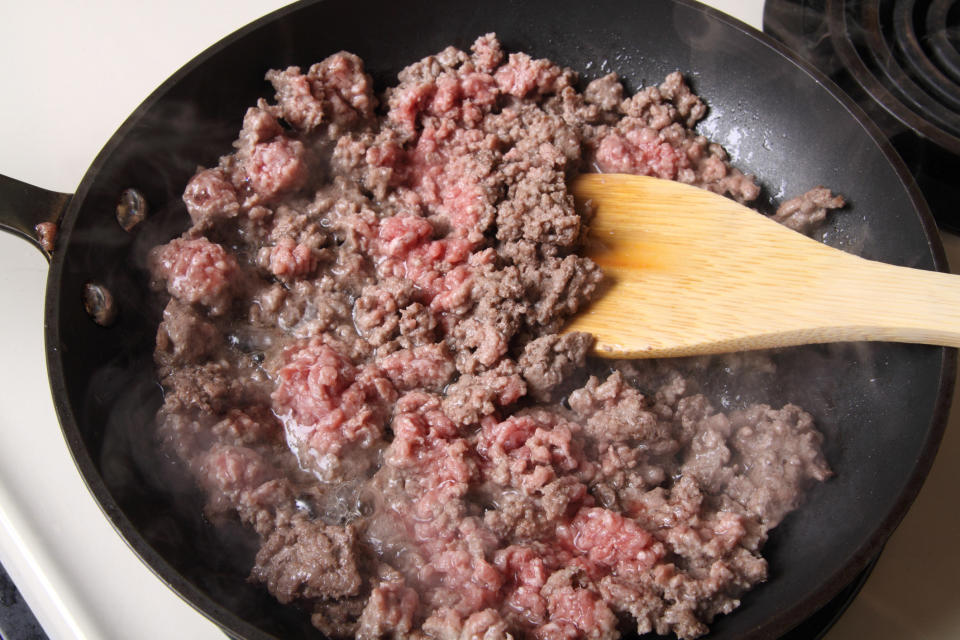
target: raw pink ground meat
<point>291,260</point>
<point>578,613</point>
<point>275,167</point>
<point>362,363</point>
<point>613,542</point>
<point>398,235</point>
<point>423,367</point>
<point>640,154</point>
<point>196,271</point>
<point>523,75</point>
<point>327,406</point>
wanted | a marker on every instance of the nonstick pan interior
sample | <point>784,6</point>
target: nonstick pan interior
<point>882,407</point>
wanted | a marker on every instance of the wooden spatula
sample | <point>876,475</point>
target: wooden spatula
<point>691,272</point>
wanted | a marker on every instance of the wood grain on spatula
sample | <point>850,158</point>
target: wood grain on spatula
<point>692,272</point>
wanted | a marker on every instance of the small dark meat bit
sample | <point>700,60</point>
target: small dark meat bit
<point>46,235</point>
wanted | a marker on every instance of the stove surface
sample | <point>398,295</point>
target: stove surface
<point>73,72</point>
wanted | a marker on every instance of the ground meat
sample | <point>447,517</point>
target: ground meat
<point>806,212</point>
<point>290,260</point>
<point>210,195</point>
<point>308,559</point>
<point>335,92</point>
<point>474,396</point>
<point>196,271</point>
<point>423,367</point>
<point>276,166</point>
<point>184,335</point>
<point>46,235</point>
<point>778,451</point>
<point>391,611</point>
<point>333,413</point>
<point>362,361</point>
<point>605,92</point>
<point>655,137</point>
<point>548,361</point>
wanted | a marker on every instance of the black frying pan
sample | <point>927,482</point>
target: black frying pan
<point>882,407</point>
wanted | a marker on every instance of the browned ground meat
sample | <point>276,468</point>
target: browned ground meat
<point>805,212</point>
<point>361,362</point>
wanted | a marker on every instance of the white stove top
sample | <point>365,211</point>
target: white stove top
<point>71,73</point>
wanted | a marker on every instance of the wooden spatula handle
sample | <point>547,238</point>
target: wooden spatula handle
<point>875,301</point>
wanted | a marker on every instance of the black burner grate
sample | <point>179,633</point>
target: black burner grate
<point>884,45</point>
<point>912,37</point>
<point>900,61</point>
<point>943,35</point>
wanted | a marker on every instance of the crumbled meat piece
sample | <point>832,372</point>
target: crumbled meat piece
<point>336,91</point>
<point>227,472</point>
<point>522,76</point>
<point>276,166</point>
<point>808,211</point>
<point>605,92</point>
<point>196,271</point>
<point>780,453</point>
<point>539,210</point>
<point>428,366</point>
<point>347,89</point>
<point>209,196</point>
<point>46,235</point>
<point>330,408</point>
<point>391,611</point>
<point>290,260</point>
<point>184,335</point>
<point>656,138</point>
<point>576,611</point>
<point>308,559</point>
<point>550,360</point>
<point>487,54</point>
<point>294,94</point>
<point>613,411</point>
<point>212,387</point>
<point>339,618</point>
<point>473,396</point>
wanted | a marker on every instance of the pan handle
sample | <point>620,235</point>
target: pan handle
<point>23,207</point>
